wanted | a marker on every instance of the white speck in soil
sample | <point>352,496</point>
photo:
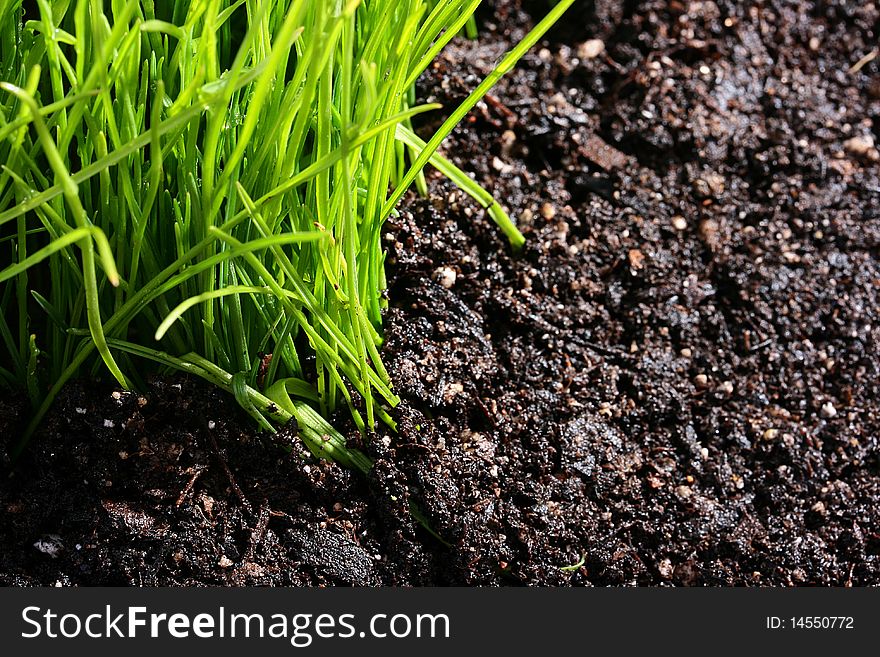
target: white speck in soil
<point>591,49</point>
<point>446,276</point>
<point>828,411</point>
<point>501,166</point>
<point>451,391</point>
<point>862,146</point>
<point>50,544</point>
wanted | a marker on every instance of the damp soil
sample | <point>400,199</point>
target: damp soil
<point>675,381</point>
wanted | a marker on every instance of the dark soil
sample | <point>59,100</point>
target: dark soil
<point>675,382</point>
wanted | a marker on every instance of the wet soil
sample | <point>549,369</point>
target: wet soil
<point>676,380</point>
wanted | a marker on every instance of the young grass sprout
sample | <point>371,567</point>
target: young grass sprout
<point>201,185</point>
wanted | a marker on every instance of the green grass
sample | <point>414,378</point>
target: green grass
<point>201,184</point>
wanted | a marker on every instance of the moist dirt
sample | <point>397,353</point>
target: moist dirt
<point>674,382</point>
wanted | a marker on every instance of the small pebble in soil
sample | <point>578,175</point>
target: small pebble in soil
<point>701,380</point>
<point>508,139</point>
<point>710,185</point>
<point>446,276</point>
<point>50,545</point>
<point>709,232</point>
<point>725,387</point>
<point>862,146</point>
<point>501,166</point>
<point>451,391</point>
<point>591,49</point>
<point>636,259</point>
<point>548,211</point>
<point>828,411</point>
<point>679,222</point>
<point>770,434</point>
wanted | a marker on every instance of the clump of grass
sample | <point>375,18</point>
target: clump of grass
<point>201,185</point>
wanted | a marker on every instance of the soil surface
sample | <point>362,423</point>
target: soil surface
<point>675,382</point>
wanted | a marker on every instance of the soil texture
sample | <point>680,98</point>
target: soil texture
<point>674,382</point>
